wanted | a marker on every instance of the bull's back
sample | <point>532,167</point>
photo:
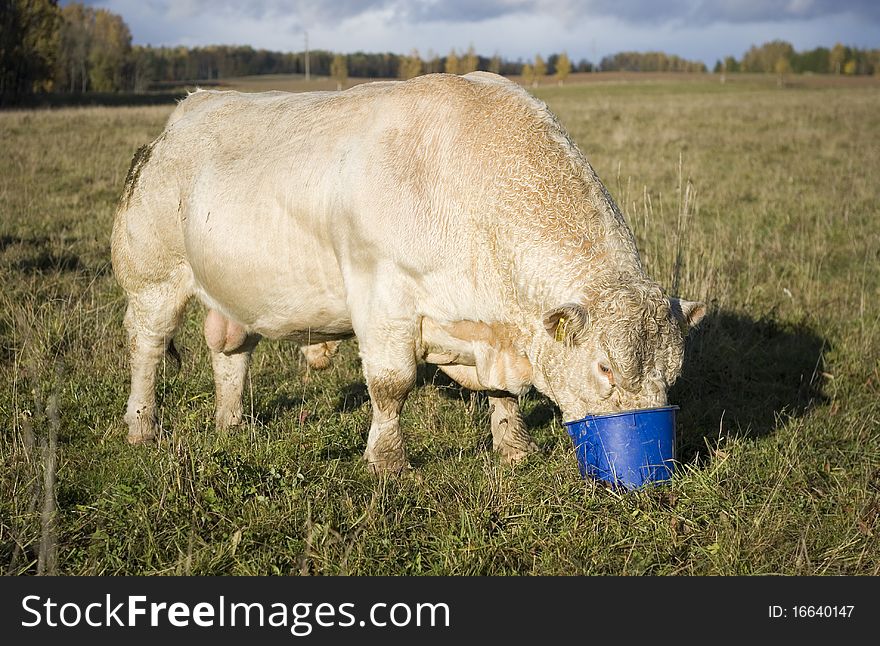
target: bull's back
<point>308,194</point>
<point>279,201</point>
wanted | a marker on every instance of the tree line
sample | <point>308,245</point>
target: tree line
<point>78,49</point>
<point>44,47</point>
<point>649,62</point>
<point>780,57</point>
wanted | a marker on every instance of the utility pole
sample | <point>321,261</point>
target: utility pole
<point>307,56</point>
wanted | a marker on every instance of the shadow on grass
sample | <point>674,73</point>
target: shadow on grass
<point>45,261</point>
<point>33,255</point>
<point>352,397</point>
<point>740,375</point>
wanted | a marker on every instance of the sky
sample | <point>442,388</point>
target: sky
<point>705,30</point>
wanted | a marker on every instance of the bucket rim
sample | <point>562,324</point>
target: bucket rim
<point>620,413</point>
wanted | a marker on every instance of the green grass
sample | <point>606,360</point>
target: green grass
<point>780,420</point>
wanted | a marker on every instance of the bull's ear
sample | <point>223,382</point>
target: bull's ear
<point>567,323</point>
<point>687,313</point>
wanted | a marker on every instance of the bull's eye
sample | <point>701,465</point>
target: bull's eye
<point>605,370</point>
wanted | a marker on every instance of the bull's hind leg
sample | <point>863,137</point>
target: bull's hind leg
<point>231,348</point>
<point>152,318</point>
<point>509,435</point>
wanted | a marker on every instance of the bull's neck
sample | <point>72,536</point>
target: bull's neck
<point>544,276</point>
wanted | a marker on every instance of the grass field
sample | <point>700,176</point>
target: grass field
<point>763,201</point>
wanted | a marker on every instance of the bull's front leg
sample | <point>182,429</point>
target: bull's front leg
<point>389,363</point>
<point>509,435</point>
<point>510,438</point>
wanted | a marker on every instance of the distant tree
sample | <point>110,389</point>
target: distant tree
<point>495,64</point>
<point>563,68</point>
<point>849,68</point>
<point>763,58</point>
<point>452,65</point>
<point>540,70</point>
<point>432,62</point>
<point>814,60</point>
<point>731,64</point>
<point>584,66</point>
<point>650,62</point>
<point>837,58</point>
<point>411,66</point>
<point>782,69</point>
<point>76,38</point>
<point>528,74</point>
<point>339,71</point>
<point>146,67</point>
<point>721,70</point>
<point>469,62</point>
<point>94,51</point>
<point>28,46</point>
<point>109,51</point>
<point>874,58</point>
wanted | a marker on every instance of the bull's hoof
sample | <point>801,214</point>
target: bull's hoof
<point>141,434</point>
<point>515,453</point>
<point>511,439</point>
<point>227,420</point>
<point>142,426</point>
<point>387,465</point>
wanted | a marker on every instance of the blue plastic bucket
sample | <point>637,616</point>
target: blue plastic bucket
<point>629,449</point>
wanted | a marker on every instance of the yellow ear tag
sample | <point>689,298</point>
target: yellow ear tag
<point>560,329</point>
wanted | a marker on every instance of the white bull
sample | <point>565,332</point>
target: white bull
<point>444,219</point>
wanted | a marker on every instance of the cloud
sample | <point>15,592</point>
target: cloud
<point>740,11</point>
<point>695,29</point>
<point>305,11</point>
<point>682,12</point>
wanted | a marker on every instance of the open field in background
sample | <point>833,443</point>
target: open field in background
<point>665,82</point>
<point>767,198</point>
<point>640,82</point>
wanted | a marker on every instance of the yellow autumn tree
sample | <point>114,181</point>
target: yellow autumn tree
<point>782,68</point>
<point>540,70</point>
<point>528,74</point>
<point>495,64</point>
<point>470,62</point>
<point>837,58</point>
<point>452,63</point>
<point>563,68</point>
<point>339,70</point>
<point>411,66</point>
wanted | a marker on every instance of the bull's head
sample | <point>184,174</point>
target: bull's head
<point>620,351</point>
